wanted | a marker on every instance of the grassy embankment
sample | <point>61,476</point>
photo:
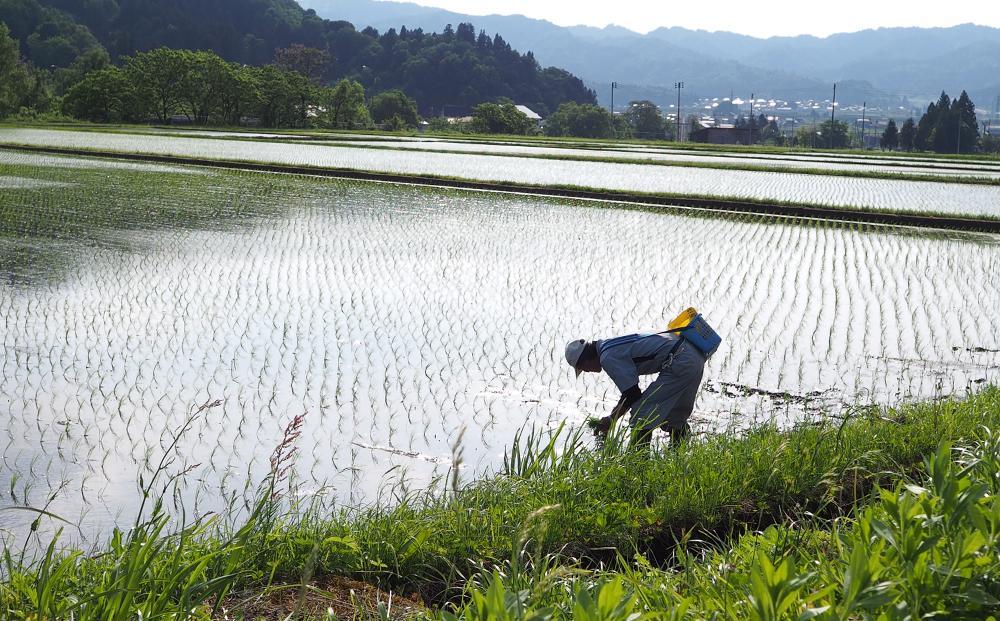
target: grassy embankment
<point>566,530</point>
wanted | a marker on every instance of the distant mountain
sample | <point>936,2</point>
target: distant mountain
<point>453,68</point>
<point>885,65</point>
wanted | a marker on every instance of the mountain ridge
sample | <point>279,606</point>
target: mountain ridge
<point>900,64</point>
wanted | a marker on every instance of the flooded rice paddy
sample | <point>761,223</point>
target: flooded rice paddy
<point>849,192</point>
<point>689,157</point>
<point>399,319</point>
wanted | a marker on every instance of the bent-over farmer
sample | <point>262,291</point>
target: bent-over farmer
<point>677,356</point>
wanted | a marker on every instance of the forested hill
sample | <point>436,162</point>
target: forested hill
<point>456,68</point>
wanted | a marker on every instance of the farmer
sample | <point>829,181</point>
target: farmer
<point>667,402</point>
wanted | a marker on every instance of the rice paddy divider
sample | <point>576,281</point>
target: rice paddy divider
<point>780,209</point>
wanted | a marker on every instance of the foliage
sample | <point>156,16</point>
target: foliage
<point>311,62</point>
<point>644,120</point>
<point>345,106</point>
<point>20,86</point>
<point>500,118</point>
<point>580,120</point>
<point>456,67</point>
<point>890,137</point>
<point>395,108</point>
<point>208,90</point>
<point>990,143</point>
<point>829,134</point>
<point>908,135</point>
<point>948,126</point>
<point>104,96</point>
<point>921,550</point>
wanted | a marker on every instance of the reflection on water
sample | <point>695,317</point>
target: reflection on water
<point>394,317</point>
<point>919,196</point>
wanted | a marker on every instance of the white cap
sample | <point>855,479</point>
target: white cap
<point>574,350</point>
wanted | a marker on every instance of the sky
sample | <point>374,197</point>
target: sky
<point>759,19</point>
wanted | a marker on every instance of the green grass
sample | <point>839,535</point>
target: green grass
<point>573,510</point>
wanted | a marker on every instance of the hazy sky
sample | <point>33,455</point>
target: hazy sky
<point>761,19</point>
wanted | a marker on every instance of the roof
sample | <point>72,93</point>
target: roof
<point>531,114</point>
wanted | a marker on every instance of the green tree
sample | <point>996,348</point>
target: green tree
<point>990,143</point>
<point>282,98</point>
<point>394,103</point>
<point>908,135</point>
<point>17,82</point>
<point>582,120</point>
<point>345,105</point>
<point>890,137</point>
<point>964,114</point>
<point>771,134</point>
<point>156,76</point>
<point>311,62</point>
<point>201,91</point>
<point>834,134</point>
<point>924,138</point>
<point>92,60</point>
<point>104,96</point>
<point>500,118</point>
<point>645,120</point>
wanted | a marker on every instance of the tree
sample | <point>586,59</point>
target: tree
<point>204,85</point>
<point>582,120</point>
<point>104,96</point>
<point>282,98</point>
<point>771,134</point>
<point>92,60</point>
<point>345,105</point>
<point>908,135</point>
<point>500,118</point>
<point>948,125</point>
<point>311,62</point>
<point>15,79</point>
<point>156,76</point>
<point>890,137</point>
<point>693,124</point>
<point>834,134</point>
<point>964,113</point>
<point>394,103</point>
<point>644,119</point>
<point>924,137</point>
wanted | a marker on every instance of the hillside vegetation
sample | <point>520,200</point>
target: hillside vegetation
<point>457,67</point>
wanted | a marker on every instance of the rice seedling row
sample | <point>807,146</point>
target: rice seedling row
<point>879,194</point>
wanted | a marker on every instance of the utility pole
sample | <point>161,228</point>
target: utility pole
<point>678,86</point>
<point>864,108</point>
<point>614,130</point>
<point>750,136</point>
<point>833,112</point>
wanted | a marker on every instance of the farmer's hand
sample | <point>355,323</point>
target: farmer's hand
<point>600,426</point>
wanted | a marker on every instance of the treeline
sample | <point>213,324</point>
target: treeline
<point>203,88</point>
<point>948,126</point>
<point>642,119</point>
<point>457,68</point>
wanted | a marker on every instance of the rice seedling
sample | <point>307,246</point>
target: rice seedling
<point>845,192</point>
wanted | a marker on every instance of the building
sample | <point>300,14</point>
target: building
<point>725,134</point>
<point>531,114</point>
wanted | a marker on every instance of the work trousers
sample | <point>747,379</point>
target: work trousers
<point>668,401</point>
